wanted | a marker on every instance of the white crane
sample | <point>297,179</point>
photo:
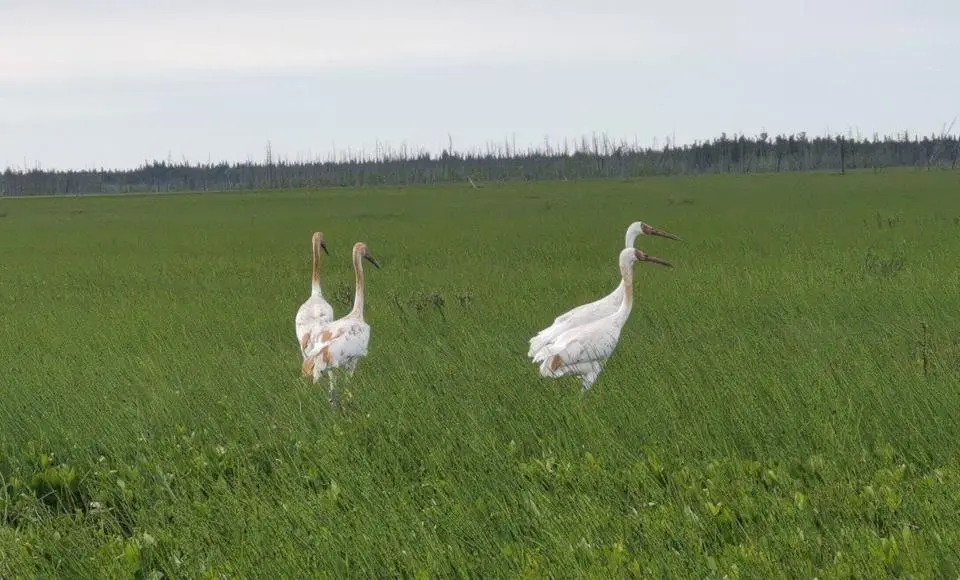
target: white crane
<point>583,350</point>
<point>343,342</point>
<point>315,311</point>
<point>599,308</point>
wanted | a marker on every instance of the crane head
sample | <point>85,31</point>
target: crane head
<point>645,257</point>
<point>318,239</point>
<point>361,248</point>
<point>649,230</point>
<point>638,229</point>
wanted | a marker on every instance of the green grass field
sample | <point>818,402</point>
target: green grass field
<point>785,401</point>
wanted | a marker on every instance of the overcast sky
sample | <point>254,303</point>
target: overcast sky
<point>109,83</point>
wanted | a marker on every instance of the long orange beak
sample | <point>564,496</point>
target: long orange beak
<point>656,260</point>
<point>652,231</point>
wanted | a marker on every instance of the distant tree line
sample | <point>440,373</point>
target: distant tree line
<point>589,158</point>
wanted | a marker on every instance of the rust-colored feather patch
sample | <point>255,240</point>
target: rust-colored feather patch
<point>308,364</point>
<point>325,355</point>
<point>327,336</point>
<point>555,362</point>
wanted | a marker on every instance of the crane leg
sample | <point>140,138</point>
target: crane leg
<point>332,394</point>
<point>589,378</point>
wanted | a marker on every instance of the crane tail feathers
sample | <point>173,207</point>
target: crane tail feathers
<point>543,339</point>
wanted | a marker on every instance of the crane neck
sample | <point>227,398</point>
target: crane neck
<point>626,282</point>
<point>317,261</point>
<point>357,311</point>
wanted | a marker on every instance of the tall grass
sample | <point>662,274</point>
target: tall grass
<point>782,402</point>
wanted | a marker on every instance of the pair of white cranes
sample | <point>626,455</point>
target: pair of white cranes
<point>327,344</point>
<point>578,342</point>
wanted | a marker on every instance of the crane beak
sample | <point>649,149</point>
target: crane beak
<point>323,244</point>
<point>652,231</point>
<point>656,260</point>
<point>372,260</point>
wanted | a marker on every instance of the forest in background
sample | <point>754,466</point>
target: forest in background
<point>595,157</point>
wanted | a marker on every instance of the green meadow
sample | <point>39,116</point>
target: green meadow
<point>783,402</point>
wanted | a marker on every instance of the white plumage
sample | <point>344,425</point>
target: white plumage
<point>343,342</point>
<point>315,312</point>
<point>598,308</point>
<point>583,350</point>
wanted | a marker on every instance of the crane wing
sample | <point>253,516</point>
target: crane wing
<point>311,317</point>
<point>601,307</point>
<point>339,343</point>
<point>590,343</point>
<point>575,317</point>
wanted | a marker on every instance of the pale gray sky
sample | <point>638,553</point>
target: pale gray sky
<point>111,83</point>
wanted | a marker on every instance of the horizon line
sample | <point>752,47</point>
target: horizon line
<point>506,147</point>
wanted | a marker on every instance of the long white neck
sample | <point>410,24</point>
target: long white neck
<point>619,290</point>
<point>317,260</point>
<point>357,311</point>
<point>633,232</point>
<point>626,274</point>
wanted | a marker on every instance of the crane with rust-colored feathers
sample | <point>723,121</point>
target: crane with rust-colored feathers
<point>343,342</point>
<point>315,312</point>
